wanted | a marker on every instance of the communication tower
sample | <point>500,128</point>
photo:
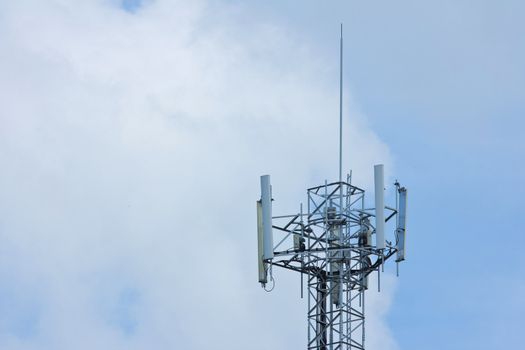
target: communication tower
<point>335,243</point>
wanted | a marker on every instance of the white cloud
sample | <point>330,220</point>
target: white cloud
<point>130,149</point>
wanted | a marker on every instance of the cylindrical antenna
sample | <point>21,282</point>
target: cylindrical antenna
<point>341,107</point>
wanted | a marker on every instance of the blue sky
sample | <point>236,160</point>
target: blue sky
<point>121,120</point>
<point>443,84</point>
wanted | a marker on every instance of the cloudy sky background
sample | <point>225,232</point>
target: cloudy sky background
<point>132,135</point>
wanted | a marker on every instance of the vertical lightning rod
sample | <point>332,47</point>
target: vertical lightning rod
<point>341,107</point>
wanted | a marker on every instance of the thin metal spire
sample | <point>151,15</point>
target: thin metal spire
<point>341,107</point>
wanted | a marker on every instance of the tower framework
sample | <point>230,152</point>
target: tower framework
<point>333,244</point>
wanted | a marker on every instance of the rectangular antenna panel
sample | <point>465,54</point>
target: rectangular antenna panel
<point>401,224</point>
<point>266,212</point>
<point>262,265</point>
<point>379,183</point>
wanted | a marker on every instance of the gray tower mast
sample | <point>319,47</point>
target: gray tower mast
<point>335,244</point>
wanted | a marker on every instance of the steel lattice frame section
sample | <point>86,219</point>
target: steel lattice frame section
<point>328,246</point>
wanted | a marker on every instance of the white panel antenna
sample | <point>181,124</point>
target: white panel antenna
<point>401,224</point>
<point>266,213</point>
<point>379,184</point>
<point>263,276</point>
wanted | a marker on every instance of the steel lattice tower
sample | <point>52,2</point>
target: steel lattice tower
<point>335,244</point>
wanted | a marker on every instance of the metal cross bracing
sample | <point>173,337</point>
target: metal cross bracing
<point>331,247</point>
